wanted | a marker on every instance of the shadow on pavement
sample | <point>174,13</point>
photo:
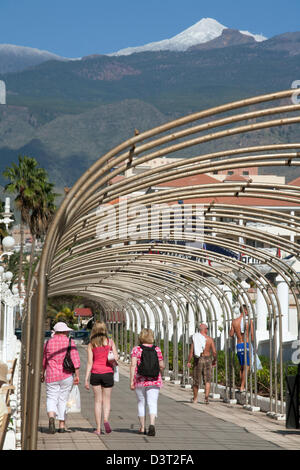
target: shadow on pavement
<point>287,432</point>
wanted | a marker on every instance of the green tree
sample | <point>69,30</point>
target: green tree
<point>62,308</point>
<point>43,210</point>
<point>34,200</point>
<point>24,181</point>
<point>3,231</point>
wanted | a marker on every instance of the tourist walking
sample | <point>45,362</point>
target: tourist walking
<point>202,348</point>
<point>59,382</point>
<point>240,328</point>
<point>100,370</point>
<point>145,377</point>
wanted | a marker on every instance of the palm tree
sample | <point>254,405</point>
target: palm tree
<point>62,308</point>
<point>25,180</point>
<point>41,217</point>
<point>3,231</point>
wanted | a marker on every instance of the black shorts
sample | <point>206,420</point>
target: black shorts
<point>105,380</point>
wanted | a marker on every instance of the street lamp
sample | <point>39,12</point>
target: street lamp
<point>7,244</point>
<point>7,219</point>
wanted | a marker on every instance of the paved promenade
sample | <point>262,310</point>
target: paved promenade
<point>181,425</point>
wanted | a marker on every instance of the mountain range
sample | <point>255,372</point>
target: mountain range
<point>15,58</point>
<point>202,32</point>
<point>67,113</point>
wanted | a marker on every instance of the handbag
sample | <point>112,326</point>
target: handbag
<point>68,365</point>
<point>111,356</point>
<point>73,404</point>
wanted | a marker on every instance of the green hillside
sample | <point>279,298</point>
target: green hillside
<point>67,114</point>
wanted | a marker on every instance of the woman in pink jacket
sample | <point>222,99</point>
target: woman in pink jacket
<point>58,381</point>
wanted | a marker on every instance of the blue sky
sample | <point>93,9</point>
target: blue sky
<point>74,28</point>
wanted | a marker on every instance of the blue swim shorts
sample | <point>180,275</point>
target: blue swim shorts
<point>241,353</point>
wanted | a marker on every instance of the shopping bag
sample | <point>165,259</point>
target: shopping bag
<point>116,374</point>
<point>74,402</point>
<point>258,363</point>
<point>254,357</point>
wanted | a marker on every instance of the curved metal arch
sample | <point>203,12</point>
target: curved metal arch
<point>270,215</point>
<point>276,264</point>
<point>148,176</point>
<point>278,304</point>
<point>170,176</point>
<point>108,193</point>
<point>95,178</point>
<point>267,239</point>
<point>239,188</point>
<point>206,138</point>
<point>213,257</point>
<point>95,175</point>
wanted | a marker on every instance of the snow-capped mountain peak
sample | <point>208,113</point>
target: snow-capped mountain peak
<point>205,30</point>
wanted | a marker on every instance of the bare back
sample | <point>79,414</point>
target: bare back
<point>236,329</point>
<point>209,347</point>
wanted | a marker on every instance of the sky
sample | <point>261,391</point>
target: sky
<point>76,28</point>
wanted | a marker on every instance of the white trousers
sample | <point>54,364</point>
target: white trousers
<point>57,394</point>
<point>149,396</point>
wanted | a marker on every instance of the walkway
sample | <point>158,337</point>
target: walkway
<point>181,425</point>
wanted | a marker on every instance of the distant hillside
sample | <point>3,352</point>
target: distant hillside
<point>67,114</point>
<point>67,145</point>
<point>15,58</point>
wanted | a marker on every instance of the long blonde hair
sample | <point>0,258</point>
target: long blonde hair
<point>98,334</point>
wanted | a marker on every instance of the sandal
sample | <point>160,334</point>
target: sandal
<point>151,431</point>
<point>206,401</point>
<point>98,433</point>
<point>52,429</point>
<point>107,427</point>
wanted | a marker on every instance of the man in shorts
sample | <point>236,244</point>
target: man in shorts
<point>203,364</point>
<point>240,327</point>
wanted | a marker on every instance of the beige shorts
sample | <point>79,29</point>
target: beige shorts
<point>202,366</point>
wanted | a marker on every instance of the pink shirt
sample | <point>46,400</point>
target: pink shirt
<point>100,362</point>
<point>54,353</point>
<point>139,380</point>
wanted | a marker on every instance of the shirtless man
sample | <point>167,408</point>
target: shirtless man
<point>240,333</point>
<point>203,364</point>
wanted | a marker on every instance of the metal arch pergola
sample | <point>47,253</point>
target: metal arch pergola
<point>125,276</point>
